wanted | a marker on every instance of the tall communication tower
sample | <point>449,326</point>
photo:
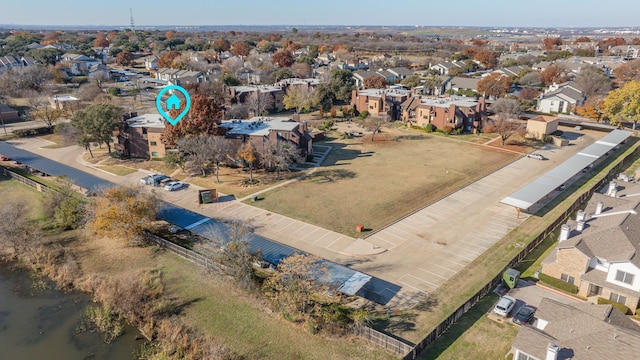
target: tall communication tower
<point>133,26</point>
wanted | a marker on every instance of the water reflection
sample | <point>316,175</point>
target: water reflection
<point>41,323</point>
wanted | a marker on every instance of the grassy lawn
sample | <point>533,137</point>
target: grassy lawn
<point>455,292</point>
<point>375,183</point>
<point>56,140</point>
<point>474,336</point>
<point>117,169</point>
<point>232,181</point>
<point>238,320</point>
<point>12,190</point>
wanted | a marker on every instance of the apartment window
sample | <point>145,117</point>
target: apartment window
<point>144,130</point>
<point>523,356</point>
<point>154,153</point>
<point>152,143</point>
<point>617,298</point>
<point>624,277</point>
<point>567,278</point>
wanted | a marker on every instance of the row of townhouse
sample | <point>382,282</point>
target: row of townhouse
<point>181,77</point>
<point>599,251</point>
<point>391,75</point>
<point>457,112</point>
<point>577,331</point>
<point>9,61</point>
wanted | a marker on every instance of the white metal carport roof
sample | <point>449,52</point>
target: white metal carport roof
<point>534,191</point>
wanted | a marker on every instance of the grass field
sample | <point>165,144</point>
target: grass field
<point>376,183</point>
<point>238,320</point>
<point>474,336</point>
<point>117,169</point>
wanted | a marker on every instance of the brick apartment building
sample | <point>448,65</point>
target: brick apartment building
<point>141,136</point>
<point>455,111</point>
<point>263,130</point>
<point>380,102</point>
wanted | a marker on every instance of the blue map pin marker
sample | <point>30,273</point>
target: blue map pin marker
<point>173,103</point>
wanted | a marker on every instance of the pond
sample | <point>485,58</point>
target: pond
<point>39,322</point>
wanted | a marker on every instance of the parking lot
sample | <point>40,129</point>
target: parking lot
<point>528,293</point>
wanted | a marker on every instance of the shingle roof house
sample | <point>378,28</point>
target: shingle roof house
<point>602,256</point>
<point>577,331</point>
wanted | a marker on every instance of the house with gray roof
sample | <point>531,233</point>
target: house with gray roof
<point>512,70</point>
<point>561,98</point>
<point>599,251</point>
<point>400,72</point>
<point>181,77</point>
<point>8,62</point>
<point>78,64</point>
<point>444,67</point>
<point>459,83</point>
<point>577,331</point>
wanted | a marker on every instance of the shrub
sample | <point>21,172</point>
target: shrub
<point>623,308</point>
<point>113,91</point>
<point>447,129</point>
<point>116,154</point>
<point>326,125</point>
<point>364,114</point>
<point>458,131</point>
<point>557,283</point>
<point>430,128</point>
<point>80,80</point>
<point>32,132</point>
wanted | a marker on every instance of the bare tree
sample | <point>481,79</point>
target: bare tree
<point>506,106</point>
<point>504,126</point>
<point>198,154</point>
<point>280,156</point>
<point>593,81</point>
<point>237,111</point>
<point>260,103</point>
<point>89,92</point>
<point>15,227</point>
<point>374,124</point>
<point>41,109</point>
<point>17,80</point>
<point>220,148</point>
<point>233,64</point>
<point>235,256</point>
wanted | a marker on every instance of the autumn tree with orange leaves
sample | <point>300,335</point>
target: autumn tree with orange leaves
<point>375,82</point>
<point>283,58</point>
<point>495,85</point>
<point>166,60</point>
<point>122,212</point>
<point>203,118</point>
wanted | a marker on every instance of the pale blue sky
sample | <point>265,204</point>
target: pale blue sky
<point>537,13</point>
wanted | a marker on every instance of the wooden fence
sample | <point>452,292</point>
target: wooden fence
<point>183,252</point>
<point>25,180</point>
<point>385,341</point>
<point>444,325</point>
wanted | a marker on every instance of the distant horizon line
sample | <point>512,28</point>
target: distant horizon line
<point>322,25</point>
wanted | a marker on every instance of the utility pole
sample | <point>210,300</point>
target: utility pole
<point>133,26</point>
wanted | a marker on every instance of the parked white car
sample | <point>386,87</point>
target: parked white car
<point>504,306</point>
<point>536,156</point>
<point>174,185</point>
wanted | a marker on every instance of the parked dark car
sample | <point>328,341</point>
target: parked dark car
<point>524,315</point>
